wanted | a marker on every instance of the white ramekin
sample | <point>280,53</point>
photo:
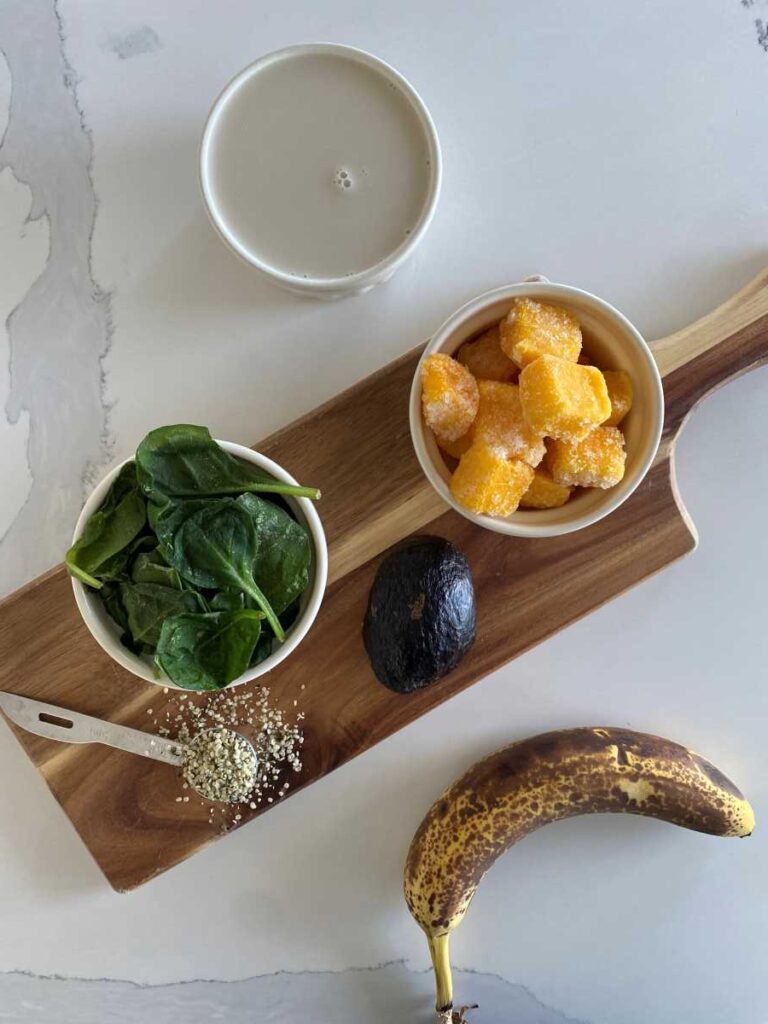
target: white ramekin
<point>322,287</point>
<point>106,632</point>
<point>615,344</point>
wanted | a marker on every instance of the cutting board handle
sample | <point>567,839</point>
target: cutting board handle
<point>722,345</point>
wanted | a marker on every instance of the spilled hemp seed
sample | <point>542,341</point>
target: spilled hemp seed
<point>217,762</point>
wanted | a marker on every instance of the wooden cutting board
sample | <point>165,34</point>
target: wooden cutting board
<point>357,449</point>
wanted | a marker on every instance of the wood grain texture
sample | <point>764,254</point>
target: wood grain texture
<point>357,449</point>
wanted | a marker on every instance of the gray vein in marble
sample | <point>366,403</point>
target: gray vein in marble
<point>60,332</point>
<point>385,994</point>
<point>134,44</point>
<point>761,26</point>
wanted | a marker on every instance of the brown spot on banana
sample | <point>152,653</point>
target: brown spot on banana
<point>545,778</point>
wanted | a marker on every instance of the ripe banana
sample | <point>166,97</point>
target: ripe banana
<point>543,779</point>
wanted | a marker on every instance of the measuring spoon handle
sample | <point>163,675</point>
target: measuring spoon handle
<point>55,723</point>
<point>121,737</point>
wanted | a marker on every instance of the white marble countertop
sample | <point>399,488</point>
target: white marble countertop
<point>618,147</point>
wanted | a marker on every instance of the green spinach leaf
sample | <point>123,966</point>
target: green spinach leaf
<point>205,652</point>
<point>266,641</point>
<point>110,596</point>
<point>148,605</point>
<point>289,616</point>
<point>183,461</point>
<point>262,650</point>
<point>166,519</point>
<point>227,601</point>
<point>151,567</point>
<point>283,552</point>
<point>109,531</point>
<point>216,546</point>
<point>117,567</point>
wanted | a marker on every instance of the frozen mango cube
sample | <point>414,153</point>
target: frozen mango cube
<point>484,358</point>
<point>549,455</point>
<point>543,492</point>
<point>619,386</point>
<point>456,448</point>
<point>596,460</point>
<point>500,423</point>
<point>563,399</point>
<point>532,329</point>
<point>449,396</point>
<point>488,483</point>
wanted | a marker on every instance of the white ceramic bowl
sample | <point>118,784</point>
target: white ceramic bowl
<point>614,344</point>
<point>106,632</point>
<point>320,287</point>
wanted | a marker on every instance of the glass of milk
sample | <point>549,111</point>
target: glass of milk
<point>320,166</point>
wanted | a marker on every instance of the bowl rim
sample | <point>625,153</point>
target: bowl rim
<point>362,279</point>
<point>140,668</point>
<point>561,293</point>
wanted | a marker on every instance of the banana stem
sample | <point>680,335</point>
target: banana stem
<point>438,950</point>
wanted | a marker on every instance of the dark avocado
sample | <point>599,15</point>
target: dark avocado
<point>421,614</point>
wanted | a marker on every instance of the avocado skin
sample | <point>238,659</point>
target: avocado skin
<point>421,614</point>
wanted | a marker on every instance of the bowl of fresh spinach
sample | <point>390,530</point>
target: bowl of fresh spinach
<point>198,564</point>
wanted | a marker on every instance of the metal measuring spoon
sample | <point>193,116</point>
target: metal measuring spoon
<point>55,723</point>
